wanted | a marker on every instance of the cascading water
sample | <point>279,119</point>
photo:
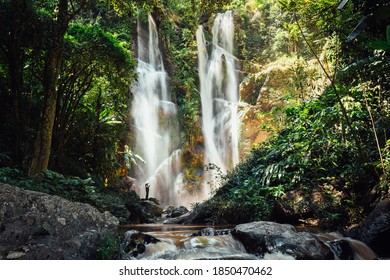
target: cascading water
<point>199,242</point>
<point>219,93</point>
<point>154,116</point>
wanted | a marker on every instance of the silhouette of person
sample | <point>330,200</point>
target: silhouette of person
<point>147,186</point>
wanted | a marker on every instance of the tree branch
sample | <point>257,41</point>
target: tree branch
<point>331,80</point>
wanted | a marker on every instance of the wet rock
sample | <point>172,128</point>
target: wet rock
<point>154,200</point>
<point>283,213</point>
<point>346,248</point>
<point>15,255</point>
<point>134,244</point>
<point>375,229</point>
<point>177,212</point>
<point>269,237</point>
<point>151,208</point>
<point>39,226</point>
<point>197,216</point>
<point>168,210</point>
<point>178,220</point>
<point>342,249</point>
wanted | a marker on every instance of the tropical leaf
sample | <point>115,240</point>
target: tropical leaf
<point>139,158</point>
<point>130,156</point>
<point>342,4</point>
<point>358,29</point>
<point>380,45</point>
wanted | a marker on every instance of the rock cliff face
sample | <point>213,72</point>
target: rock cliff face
<point>35,225</point>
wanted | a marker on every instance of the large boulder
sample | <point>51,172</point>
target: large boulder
<point>177,212</point>
<point>151,208</point>
<point>35,225</point>
<point>268,237</point>
<point>375,229</point>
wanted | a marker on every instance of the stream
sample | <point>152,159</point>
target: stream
<point>183,242</point>
<point>178,243</point>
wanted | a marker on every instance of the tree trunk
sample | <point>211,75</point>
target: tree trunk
<point>43,140</point>
<point>15,61</point>
<point>15,75</point>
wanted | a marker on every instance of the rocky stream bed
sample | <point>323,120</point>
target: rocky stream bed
<point>39,226</point>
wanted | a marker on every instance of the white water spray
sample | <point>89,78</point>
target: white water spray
<point>154,116</point>
<point>219,93</point>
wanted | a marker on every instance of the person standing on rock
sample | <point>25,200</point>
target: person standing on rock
<point>147,186</point>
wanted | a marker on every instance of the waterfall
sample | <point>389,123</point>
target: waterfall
<point>219,93</point>
<point>154,113</point>
<point>154,117</point>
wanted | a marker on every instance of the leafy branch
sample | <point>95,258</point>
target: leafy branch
<point>291,7</point>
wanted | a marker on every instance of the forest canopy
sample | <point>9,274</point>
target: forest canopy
<point>66,67</point>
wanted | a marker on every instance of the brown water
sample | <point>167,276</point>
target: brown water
<point>147,228</point>
<point>179,244</point>
<point>359,250</point>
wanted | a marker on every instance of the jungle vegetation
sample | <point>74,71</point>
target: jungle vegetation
<point>66,67</point>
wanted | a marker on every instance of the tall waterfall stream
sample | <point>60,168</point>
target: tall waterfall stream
<point>219,93</point>
<point>155,119</point>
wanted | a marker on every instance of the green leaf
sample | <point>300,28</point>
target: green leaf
<point>342,4</point>
<point>388,34</point>
<point>283,3</point>
<point>379,45</point>
<point>358,29</point>
<point>127,159</point>
<point>140,158</point>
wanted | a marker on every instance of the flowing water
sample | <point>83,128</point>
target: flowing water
<point>219,93</point>
<point>155,122</point>
<point>154,118</point>
<point>179,242</point>
<point>355,248</point>
<point>154,114</point>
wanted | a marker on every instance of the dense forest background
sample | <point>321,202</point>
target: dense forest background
<point>314,83</point>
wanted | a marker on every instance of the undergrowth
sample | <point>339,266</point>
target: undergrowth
<point>110,199</point>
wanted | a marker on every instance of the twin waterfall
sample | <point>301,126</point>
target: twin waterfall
<point>154,114</point>
<point>219,94</point>
<point>154,118</point>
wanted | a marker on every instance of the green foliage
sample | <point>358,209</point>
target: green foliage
<point>73,188</point>
<point>317,146</point>
<point>384,185</point>
<point>131,157</point>
<point>90,42</point>
<point>386,152</point>
<point>222,212</point>
<point>96,70</point>
<point>314,149</point>
<point>108,247</point>
<point>264,34</point>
